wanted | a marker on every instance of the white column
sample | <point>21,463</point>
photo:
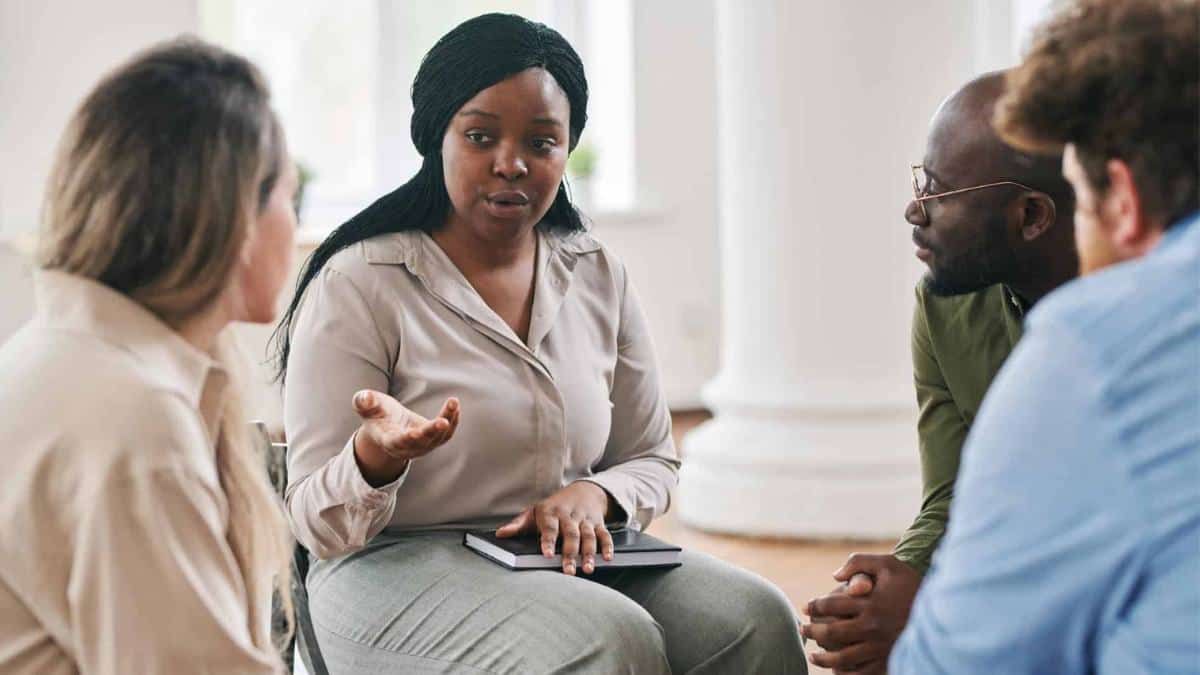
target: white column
<point>821,108</point>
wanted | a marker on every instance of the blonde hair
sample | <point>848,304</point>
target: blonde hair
<point>156,188</point>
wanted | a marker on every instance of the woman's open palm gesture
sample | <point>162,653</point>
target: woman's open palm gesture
<point>399,433</point>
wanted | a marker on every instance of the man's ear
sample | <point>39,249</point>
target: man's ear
<point>1038,214</point>
<point>1121,207</point>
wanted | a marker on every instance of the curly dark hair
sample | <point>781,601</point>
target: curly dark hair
<point>1118,79</point>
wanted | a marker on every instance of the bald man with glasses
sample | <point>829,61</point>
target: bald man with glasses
<point>995,228</point>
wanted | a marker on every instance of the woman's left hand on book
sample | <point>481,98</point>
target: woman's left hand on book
<point>576,513</point>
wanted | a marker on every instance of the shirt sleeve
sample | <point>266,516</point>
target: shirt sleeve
<point>941,432</point>
<point>1043,522</point>
<point>640,465</point>
<point>337,349</point>
<point>154,586</point>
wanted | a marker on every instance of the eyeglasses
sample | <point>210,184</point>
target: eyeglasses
<point>921,188</point>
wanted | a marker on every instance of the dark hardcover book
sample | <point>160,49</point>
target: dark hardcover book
<point>630,549</point>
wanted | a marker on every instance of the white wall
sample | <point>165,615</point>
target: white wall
<point>51,53</point>
<point>16,286</point>
<point>670,244</point>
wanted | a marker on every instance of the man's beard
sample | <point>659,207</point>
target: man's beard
<point>987,261</point>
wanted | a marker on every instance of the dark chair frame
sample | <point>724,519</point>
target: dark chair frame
<point>304,637</point>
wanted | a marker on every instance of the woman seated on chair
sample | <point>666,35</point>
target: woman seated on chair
<point>137,530</point>
<point>463,354</point>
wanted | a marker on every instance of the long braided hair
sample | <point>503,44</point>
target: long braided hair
<point>473,56</point>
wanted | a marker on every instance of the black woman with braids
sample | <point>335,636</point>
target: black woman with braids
<point>463,354</point>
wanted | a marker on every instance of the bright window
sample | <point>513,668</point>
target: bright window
<point>1027,15</point>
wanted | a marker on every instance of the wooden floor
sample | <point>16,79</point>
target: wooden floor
<point>801,568</point>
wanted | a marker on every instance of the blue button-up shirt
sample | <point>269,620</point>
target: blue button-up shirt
<point>1074,537</point>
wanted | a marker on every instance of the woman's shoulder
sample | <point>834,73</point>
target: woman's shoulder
<point>99,407</point>
<point>577,242</point>
<point>89,421</point>
<point>589,258</point>
<point>391,248</point>
<point>375,264</point>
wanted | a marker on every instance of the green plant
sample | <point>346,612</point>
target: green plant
<point>304,175</point>
<point>582,161</point>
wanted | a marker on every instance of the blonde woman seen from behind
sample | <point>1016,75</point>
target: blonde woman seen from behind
<point>137,531</point>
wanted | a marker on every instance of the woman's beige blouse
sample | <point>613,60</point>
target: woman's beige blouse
<point>113,550</point>
<point>581,401</point>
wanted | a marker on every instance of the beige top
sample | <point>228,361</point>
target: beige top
<point>580,401</point>
<point>113,557</point>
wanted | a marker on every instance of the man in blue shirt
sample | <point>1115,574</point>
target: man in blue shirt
<point>1074,538</point>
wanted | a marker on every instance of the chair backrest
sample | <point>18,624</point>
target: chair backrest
<point>304,638</point>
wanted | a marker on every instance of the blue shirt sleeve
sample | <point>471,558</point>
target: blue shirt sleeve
<point>1042,524</point>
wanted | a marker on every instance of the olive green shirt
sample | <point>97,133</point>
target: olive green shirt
<point>958,346</point>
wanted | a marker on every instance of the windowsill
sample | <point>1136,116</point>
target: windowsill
<point>310,236</point>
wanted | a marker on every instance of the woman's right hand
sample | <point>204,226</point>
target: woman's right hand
<point>391,435</point>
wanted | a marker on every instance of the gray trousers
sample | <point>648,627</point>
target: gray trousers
<point>424,603</point>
